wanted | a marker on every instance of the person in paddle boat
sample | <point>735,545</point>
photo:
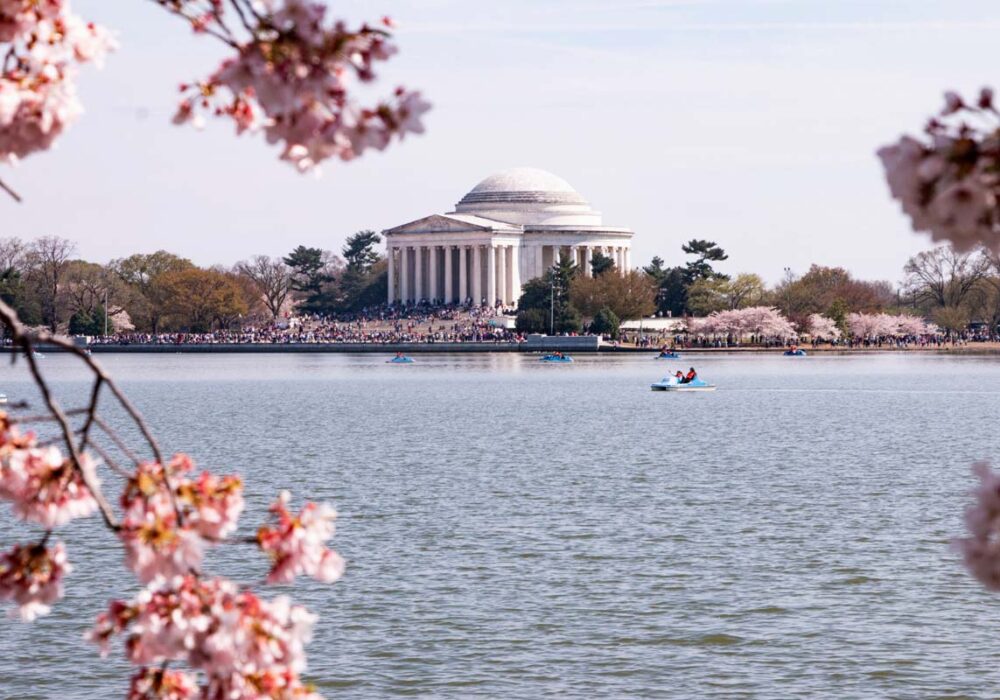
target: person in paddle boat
<point>679,377</point>
<point>689,377</point>
<point>399,356</point>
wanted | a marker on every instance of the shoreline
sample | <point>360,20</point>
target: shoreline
<point>985,349</point>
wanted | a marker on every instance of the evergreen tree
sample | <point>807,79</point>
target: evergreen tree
<point>309,277</point>
<point>606,322</point>
<point>707,252</point>
<point>601,263</point>
<point>359,251</point>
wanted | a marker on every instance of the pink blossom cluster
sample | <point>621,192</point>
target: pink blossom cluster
<point>822,327</point>
<point>948,182</point>
<point>37,91</point>
<point>162,684</point>
<point>887,326</point>
<point>168,516</point>
<point>297,543</point>
<point>981,549</point>
<point>292,79</point>
<point>245,647</point>
<point>31,576</point>
<point>43,486</point>
<point>762,321</point>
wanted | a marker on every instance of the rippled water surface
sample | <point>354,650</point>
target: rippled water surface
<point>523,530</point>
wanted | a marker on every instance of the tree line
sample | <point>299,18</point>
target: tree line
<point>949,288</point>
<point>164,292</point>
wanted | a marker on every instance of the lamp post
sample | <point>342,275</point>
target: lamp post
<point>105,312</point>
<point>788,296</point>
<point>552,306</point>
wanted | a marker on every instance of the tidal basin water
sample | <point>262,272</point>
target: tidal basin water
<point>515,529</point>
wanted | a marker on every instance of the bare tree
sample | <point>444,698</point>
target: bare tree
<point>48,259</point>
<point>944,277</point>
<point>12,252</point>
<point>271,277</point>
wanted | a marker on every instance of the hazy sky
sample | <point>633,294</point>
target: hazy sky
<point>749,122</point>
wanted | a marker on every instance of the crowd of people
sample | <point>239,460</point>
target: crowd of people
<point>433,328</point>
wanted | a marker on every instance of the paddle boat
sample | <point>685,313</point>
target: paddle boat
<point>400,359</point>
<point>797,352</point>
<point>556,357</point>
<point>667,355</point>
<point>673,384</point>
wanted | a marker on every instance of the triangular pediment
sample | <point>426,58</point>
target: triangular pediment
<point>438,223</point>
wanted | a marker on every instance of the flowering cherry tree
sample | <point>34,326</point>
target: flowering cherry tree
<point>289,76</point>
<point>872,326</point>
<point>189,634</point>
<point>948,183</point>
<point>762,321</point>
<point>822,327</point>
<point>230,642</point>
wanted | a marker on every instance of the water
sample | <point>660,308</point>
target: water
<point>523,530</point>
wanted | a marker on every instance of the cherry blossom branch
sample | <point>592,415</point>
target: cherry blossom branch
<point>14,195</point>
<point>63,421</point>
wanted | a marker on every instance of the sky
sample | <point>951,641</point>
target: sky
<point>752,123</point>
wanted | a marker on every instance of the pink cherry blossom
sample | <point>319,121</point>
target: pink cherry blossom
<point>823,328</point>
<point>761,321</point>
<point>165,528</point>
<point>31,576</point>
<point>37,83</point>
<point>981,549</point>
<point>245,646</point>
<point>947,183</point>
<point>45,487</point>
<point>296,543</point>
<point>160,684</point>
<point>293,81</point>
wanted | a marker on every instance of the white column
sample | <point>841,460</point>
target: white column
<point>391,259</point>
<point>418,274</point>
<point>628,259</point>
<point>433,272</point>
<point>491,275</point>
<point>501,285</point>
<point>477,275</point>
<point>404,280</point>
<point>449,295</point>
<point>514,274</point>
<point>463,273</point>
<point>588,271</point>
<point>621,260</point>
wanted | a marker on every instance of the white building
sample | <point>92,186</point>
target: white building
<point>509,228</point>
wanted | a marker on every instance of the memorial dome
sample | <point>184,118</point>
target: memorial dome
<point>528,196</point>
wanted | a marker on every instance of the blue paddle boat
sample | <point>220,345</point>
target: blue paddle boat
<point>400,359</point>
<point>556,358</point>
<point>667,355</point>
<point>798,352</point>
<point>673,384</point>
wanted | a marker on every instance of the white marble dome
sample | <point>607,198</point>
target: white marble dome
<point>528,196</point>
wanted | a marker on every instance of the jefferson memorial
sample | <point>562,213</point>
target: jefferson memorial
<point>509,228</point>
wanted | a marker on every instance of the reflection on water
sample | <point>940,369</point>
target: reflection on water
<point>522,529</point>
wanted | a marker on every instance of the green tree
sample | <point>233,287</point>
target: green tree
<point>532,321</point>
<point>85,322</point>
<point>309,277</point>
<point>601,263</point>
<point>550,295</point>
<point>707,252</point>
<point>359,251</point>
<point>606,322</point>
<point>143,273</point>
<point>656,270</point>
<point>672,296</point>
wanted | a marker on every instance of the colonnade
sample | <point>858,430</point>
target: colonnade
<point>484,273</point>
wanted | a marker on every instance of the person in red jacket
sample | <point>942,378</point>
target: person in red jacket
<point>690,376</point>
